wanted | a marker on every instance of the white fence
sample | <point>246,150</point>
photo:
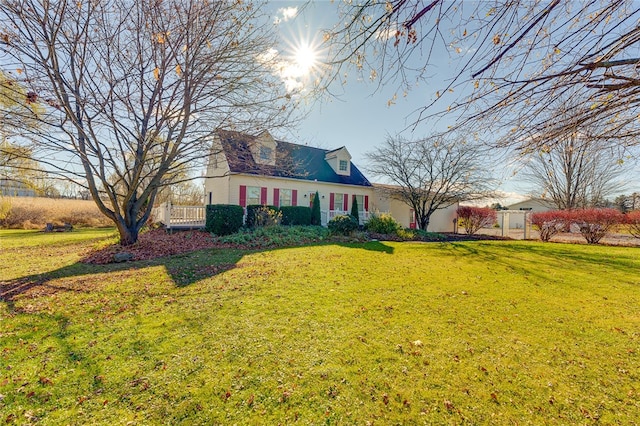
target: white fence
<point>179,216</point>
<point>518,220</point>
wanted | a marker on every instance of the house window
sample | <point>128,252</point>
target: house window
<point>284,197</point>
<point>253,195</point>
<point>265,153</point>
<point>338,201</point>
<point>343,165</point>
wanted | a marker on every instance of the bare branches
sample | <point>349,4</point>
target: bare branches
<point>508,61</point>
<point>431,173</point>
<point>573,170</point>
<point>518,39</point>
<point>135,90</point>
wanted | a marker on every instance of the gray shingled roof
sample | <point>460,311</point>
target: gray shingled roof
<point>292,161</point>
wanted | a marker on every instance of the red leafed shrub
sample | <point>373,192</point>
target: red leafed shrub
<point>632,219</point>
<point>474,218</point>
<point>594,224</point>
<point>550,223</point>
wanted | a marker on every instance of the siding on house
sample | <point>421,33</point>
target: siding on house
<point>441,220</point>
<point>270,186</point>
<point>235,177</point>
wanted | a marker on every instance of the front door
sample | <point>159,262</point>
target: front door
<point>412,219</point>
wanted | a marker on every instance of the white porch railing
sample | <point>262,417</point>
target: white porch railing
<point>179,216</point>
<point>327,215</point>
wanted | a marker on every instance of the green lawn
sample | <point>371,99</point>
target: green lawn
<point>386,333</point>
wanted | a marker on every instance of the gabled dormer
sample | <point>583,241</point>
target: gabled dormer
<point>218,164</point>
<point>340,161</point>
<point>264,149</point>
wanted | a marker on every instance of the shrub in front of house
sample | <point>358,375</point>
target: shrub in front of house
<point>354,210</point>
<point>382,223</point>
<point>595,224</point>
<point>223,219</point>
<point>343,225</point>
<point>632,220</point>
<point>472,219</point>
<point>316,218</point>
<point>260,215</point>
<point>296,215</point>
<point>550,223</point>
<point>268,216</point>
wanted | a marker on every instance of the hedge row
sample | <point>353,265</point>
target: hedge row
<point>593,224</point>
<point>224,219</point>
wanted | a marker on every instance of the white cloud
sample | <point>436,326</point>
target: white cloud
<point>289,72</point>
<point>285,14</point>
<point>387,33</point>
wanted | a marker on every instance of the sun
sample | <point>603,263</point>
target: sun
<point>301,65</point>
<point>305,59</point>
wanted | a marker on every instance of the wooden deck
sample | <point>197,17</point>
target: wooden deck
<point>180,217</point>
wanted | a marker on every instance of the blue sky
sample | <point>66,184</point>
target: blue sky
<point>359,116</point>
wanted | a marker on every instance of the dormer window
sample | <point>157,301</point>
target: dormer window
<point>263,149</point>
<point>265,153</point>
<point>339,160</point>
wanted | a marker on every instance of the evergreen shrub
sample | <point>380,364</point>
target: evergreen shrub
<point>296,215</point>
<point>315,211</point>
<point>354,210</point>
<point>223,219</point>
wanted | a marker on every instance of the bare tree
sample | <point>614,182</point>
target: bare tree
<point>573,171</point>
<point>431,173</point>
<point>508,59</point>
<point>16,162</point>
<point>133,90</point>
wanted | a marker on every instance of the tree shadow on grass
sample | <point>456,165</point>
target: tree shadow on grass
<point>184,269</point>
<point>369,245</point>
<point>531,257</point>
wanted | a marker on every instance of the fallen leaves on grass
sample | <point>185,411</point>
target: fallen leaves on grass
<point>153,244</point>
<point>159,243</point>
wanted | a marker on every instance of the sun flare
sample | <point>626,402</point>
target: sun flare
<point>301,64</point>
<point>305,58</point>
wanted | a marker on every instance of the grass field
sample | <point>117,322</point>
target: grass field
<point>380,333</point>
<point>36,212</point>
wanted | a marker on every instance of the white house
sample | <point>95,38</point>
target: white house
<point>245,170</point>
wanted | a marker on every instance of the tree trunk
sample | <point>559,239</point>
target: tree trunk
<point>128,234</point>
<point>424,222</point>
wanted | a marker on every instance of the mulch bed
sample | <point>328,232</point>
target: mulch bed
<point>153,244</point>
<point>159,243</point>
